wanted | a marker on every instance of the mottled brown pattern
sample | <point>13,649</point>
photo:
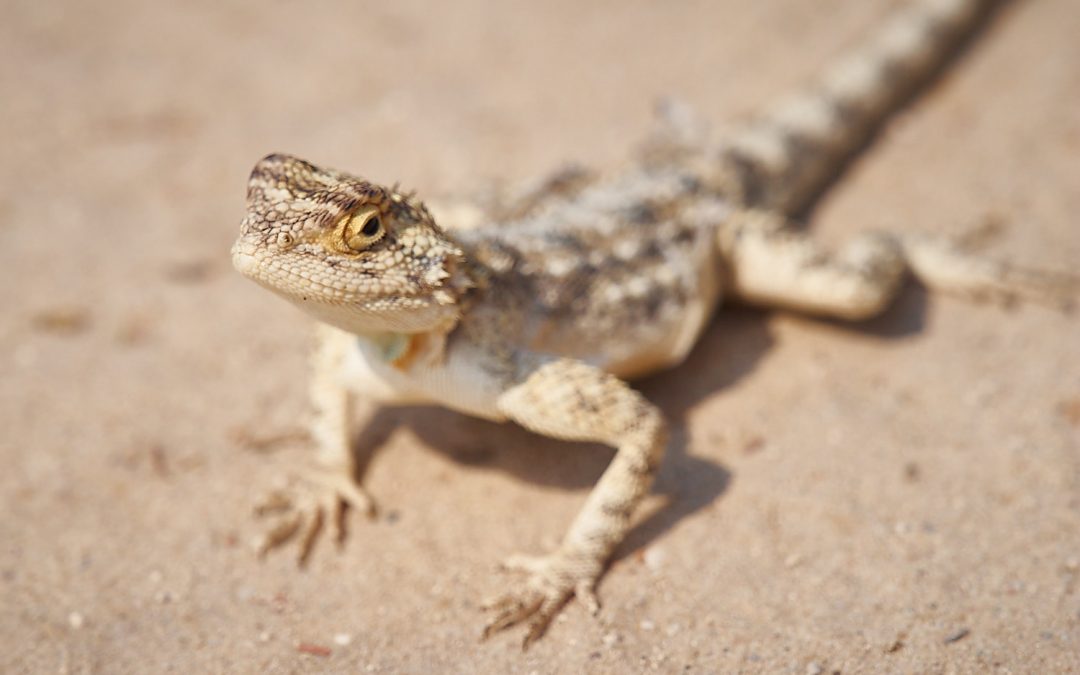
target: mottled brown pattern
<point>539,316</point>
<point>623,257</point>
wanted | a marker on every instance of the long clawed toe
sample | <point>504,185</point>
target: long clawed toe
<point>549,583</point>
<point>530,607</point>
<point>950,267</point>
<point>301,509</point>
<point>510,610</point>
<point>1056,289</point>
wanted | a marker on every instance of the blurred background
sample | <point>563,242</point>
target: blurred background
<point>861,499</point>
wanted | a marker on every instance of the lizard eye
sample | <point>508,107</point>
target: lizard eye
<point>371,227</point>
<point>363,229</point>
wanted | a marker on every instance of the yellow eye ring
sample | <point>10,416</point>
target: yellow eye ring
<point>363,228</point>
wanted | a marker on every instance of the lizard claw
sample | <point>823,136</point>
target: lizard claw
<point>302,506</point>
<point>946,266</point>
<point>550,582</point>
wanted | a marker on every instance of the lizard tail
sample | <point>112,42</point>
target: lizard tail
<point>782,159</point>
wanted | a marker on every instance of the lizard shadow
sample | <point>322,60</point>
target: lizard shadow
<point>728,351</point>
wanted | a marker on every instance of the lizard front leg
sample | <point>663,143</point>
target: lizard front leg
<point>571,400</point>
<point>303,505</point>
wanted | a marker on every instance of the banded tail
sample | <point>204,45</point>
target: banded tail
<point>781,159</point>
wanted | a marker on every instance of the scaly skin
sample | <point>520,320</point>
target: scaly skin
<point>540,316</point>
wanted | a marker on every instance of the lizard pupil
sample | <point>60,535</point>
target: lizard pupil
<point>371,227</point>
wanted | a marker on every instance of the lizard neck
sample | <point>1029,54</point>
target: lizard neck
<point>404,351</point>
<point>389,347</point>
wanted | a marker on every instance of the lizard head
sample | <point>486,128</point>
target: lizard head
<point>354,254</point>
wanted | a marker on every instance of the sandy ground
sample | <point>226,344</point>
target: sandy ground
<point>902,496</point>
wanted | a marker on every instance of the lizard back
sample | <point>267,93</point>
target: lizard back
<point>623,275</point>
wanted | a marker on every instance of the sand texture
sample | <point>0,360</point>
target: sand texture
<point>897,497</point>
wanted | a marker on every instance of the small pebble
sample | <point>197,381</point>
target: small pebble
<point>814,669</point>
<point>654,558</point>
<point>753,445</point>
<point>611,639</point>
<point>957,635</point>
<point>76,620</point>
<point>342,639</point>
<point>313,649</point>
<point>61,320</point>
<point>647,625</point>
<point>912,472</point>
<point>1070,410</point>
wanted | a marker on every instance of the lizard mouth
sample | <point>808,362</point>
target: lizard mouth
<point>247,261</point>
<point>415,307</point>
<point>243,261</point>
<point>297,287</point>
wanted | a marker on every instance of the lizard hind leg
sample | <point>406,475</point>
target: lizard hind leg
<point>770,264</point>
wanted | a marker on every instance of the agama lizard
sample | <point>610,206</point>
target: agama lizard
<point>542,315</point>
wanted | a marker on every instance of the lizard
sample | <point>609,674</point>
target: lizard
<point>543,313</point>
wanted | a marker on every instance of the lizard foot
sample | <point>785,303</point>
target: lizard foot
<point>301,507</point>
<point>947,266</point>
<point>550,582</point>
